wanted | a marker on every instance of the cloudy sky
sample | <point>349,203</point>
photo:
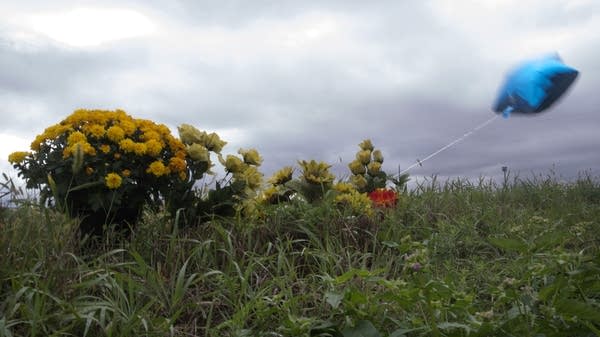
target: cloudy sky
<point>311,79</point>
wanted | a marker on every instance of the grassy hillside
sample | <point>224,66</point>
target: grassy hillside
<point>452,259</point>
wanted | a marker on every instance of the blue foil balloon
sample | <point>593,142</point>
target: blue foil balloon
<point>534,86</point>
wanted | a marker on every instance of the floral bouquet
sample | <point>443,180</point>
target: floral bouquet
<point>104,164</point>
<point>368,177</point>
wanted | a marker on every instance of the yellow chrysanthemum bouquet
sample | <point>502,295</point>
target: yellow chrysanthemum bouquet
<point>104,165</point>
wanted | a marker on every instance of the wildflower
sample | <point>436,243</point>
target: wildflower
<point>17,157</point>
<point>113,181</point>
<point>126,173</point>
<point>251,157</point>
<point>282,176</point>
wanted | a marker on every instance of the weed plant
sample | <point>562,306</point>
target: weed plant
<point>455,258</point>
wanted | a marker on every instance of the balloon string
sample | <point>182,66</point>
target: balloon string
<point>420,162</point>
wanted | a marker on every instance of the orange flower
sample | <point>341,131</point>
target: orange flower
<point>382,197</point>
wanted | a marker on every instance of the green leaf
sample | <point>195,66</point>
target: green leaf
<point>334,298</point>
<point>580,309</point>
<point>513,245</point>
<point>325,329</point>
<point>361,329</point>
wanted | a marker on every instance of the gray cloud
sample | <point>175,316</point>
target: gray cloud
<point>302,80</point>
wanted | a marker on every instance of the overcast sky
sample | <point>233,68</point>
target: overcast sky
<point>311,79</point>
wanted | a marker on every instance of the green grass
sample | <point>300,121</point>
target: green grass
<point>453,259</point>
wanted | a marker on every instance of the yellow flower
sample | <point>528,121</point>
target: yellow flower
<point>139,149</point>
<point>359,203</point>
<point>127,145</point>
<point>75,138</point>
<point>269,194</point>
<point>198,153</point>
<point>17,157</point>
<point>251,177</point>
<point>251,157</point>
<point>189,134</point>
<point>177,164</point>
<point>359,181</point>
<point>232,164</point>
<point>126,173</point>
<point>37,142</point>
<point>150,134</point>
<point>157,168</point>
<point>344,187</point>
<point>282,176</point>
<point>374,168</point>
<point>113,180</point>
<point>356,167</point>
<point>127,126</point>
<point>213,143</point>
<point>86,147</point>
<point>182,175</point>
<point>115,133</point>
<point>366,145</point>
<point>316,173</point>
<point>104,148</point>
<point>153,147</point>
<point>378,156</point>
<point>96,130</point>
<point>363,156</point>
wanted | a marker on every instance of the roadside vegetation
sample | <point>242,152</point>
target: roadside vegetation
<point>453,258</point>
